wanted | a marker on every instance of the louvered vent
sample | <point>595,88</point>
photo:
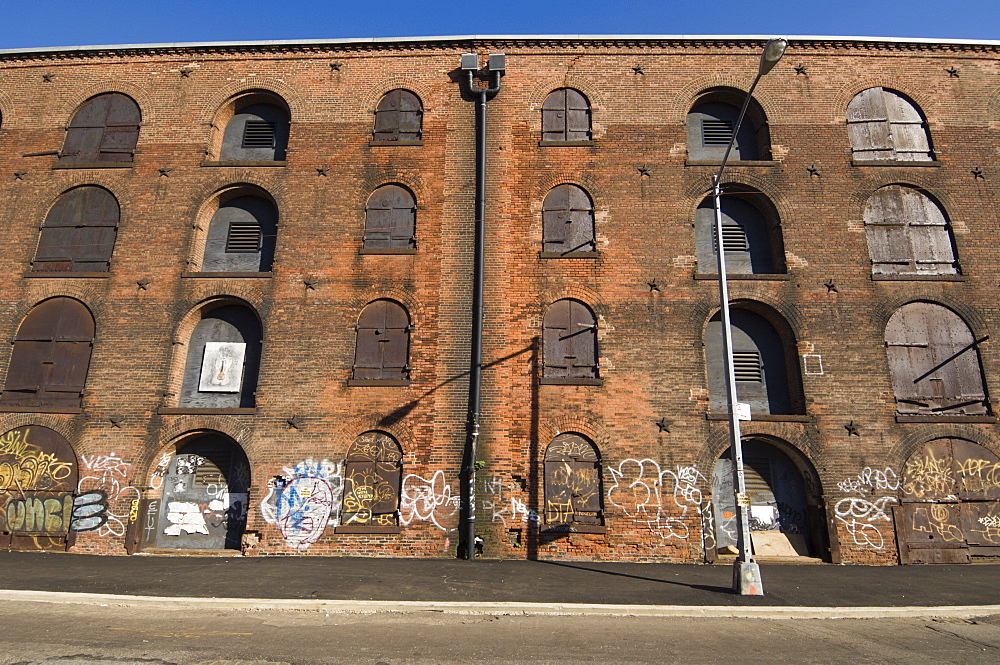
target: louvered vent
<point>757,474</point>
<point>258,134</point>
<point>747,366</point>
<point>716,132</point>
<point>243,238</point>
<point>734,239</point>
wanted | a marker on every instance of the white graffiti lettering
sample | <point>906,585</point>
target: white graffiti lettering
<point>644,492</point>
<point>859,514</point>
<point>427,500</point>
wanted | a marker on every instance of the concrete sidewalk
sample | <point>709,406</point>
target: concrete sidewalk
<point>437,584</point>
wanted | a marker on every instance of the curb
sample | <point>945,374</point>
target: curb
<point>495,608</point>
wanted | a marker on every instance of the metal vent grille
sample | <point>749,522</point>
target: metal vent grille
<point>258,134</point>
<point>243,238</point>
<point>747,366</point>
<point>716,132</point>
<point>734,239</point>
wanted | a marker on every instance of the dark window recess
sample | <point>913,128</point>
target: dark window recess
<point>884,125</point>
<point>752,245</point>
<point>399,117</point>
<point>566,116</point>
<point>51,356</point>
<point>372,479</point>
<point>383,343</point>
<point>105,129</point>
<point>223,358</point>
<point>716,132</point>
<point>908,234</point>
<point>573,493</point>
<point>934,362</point>
<point>567,220</point>
<point>747,366</point>
<point>241,236</point>
<point>569,338</point>
<point>78,234</point>
<point>390,219</point>
<point>258,134</point>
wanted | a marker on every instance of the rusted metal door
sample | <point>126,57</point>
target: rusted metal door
<point>950,504</point>
<point>79,232</point>
<point>570,341</point>
<point>566,116</point>
<point>398,117</point>
<point>567,221</point>
<point>105,129</point>
<point>573,492</point>
<point>38,476</point>
<point>390,218</point>
<point>372,478</point>
<point>204,503</point>
<point>383,342</point>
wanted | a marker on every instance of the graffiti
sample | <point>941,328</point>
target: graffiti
<point>162,467</point>
<point>90,511</point>
<point>870,479</point>
<point>978,475</point>
<point>304,501</point>
<point>990,521</point>
<point>107,474</point>
<point>506,508</point>
<point>188,464</point>
<point>427,500</point>
<point>860,514</point>
<point>34,469</point>
<point>38,513</point>
<point>927,476</point>
<point>644,492</point>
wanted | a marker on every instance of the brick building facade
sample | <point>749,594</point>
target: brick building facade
<point>238,279</point>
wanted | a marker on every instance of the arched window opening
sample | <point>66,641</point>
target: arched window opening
<point>104,129</point>
<point>567,222</point>
<point>711,123</point>
<point>383,345</point>
<point>566,116</point>
<point>934,362</point>
<point>257,131</point>
<point>751,237</point>
<point>223,359</point>
<point>78,234</point>
<point>241,236</point>
<point>399,117</point>
<point>573,493</point>
<point>569,343</point>
<point>372,477</point>
<point>908,234</point>
<point>884,125</point>
<point>390,220</point>
<point>51,356</point>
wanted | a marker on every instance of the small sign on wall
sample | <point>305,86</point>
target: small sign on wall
<point>222,367</point>
<point>742,411</point>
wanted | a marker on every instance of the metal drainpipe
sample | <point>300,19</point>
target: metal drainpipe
<point>476,367</point>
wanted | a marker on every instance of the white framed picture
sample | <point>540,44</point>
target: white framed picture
<point>222,367</point>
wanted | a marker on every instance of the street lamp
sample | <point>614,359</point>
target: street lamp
<point>746,572</point>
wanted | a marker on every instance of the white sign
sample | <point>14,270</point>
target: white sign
<point>742,411</point>
<point>222,367</point>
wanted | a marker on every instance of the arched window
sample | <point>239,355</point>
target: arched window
<point>751,237</point>
<point>569,343</point>
<point>883,125</point>
<point>390,220</point>
<point>934,362</point>
<point>573,494</point>
<point>241,236</point>
<point>78,234</point>
<point>566,116</point>
<point>223,357</point>
<point>767,372</point>
<point>257,131</point>
<point>381,356</point>
<point>399,117</point>
<point>567,222</point>
<point>51,356</point>
<point>105,129</point>
<point>908,234</point>
<point>372,477</point>
<point>712,121</point>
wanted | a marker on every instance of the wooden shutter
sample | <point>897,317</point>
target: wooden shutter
<point>383,342</point>
<point>565,116</point>
<point>105,129</point>
<point>399,117</point>
<point>868,126</point>
<point>567,220</point>
<point>390,219</point>
<point>907,128</point>
<point>373,474</point>
<point>577,116</point>
<point>573,491</point>
<point>570,341</point>
<point>908,233</point>
<point>79,232</point>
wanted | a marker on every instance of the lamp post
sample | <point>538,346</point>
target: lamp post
<point>746,572</point>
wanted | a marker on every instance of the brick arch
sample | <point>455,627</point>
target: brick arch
<point>885,307</point>
<point>140,95</point>
<point>923,96</point>
<point>760,300</point>
<point>408,300</point>
<point>685,98</point>
<point>590,297</point>
<point>590,427</point>
<point>298,107</point>
<point>413,182</point>
<point>86,294</point>
<point>369,98</point>
<point>220,179</point>
<point>202,217</point>
<point>792,441</point>
<point>67,427</point>
<point>182,429</point>
<point>348,429</point>
<point>596,95</point>
<point>919,435</point>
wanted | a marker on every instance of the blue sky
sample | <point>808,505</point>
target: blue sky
<point>39,23</point>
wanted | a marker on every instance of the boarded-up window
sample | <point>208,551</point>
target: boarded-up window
<point>566,116</point>
<point>934,362</point>
<point>884,125</point>
<point>567,221</point>
<point>51,356</point>
<point>258,132</point>
<point>908,234</point>
<point>241,236</point>
<point>390,219</point>
<point>223,358</point>
<point>105,129</point>
<point>372,478</point>
<point>383,345</point>
<point>399,117</point>
<point>766,376</point>
<point>569,339</point>
<point>710,127</point>
<point>752,245</point>
<point>573,482</point>
<point>78,234</point>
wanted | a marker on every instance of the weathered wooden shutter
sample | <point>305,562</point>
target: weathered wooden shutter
<point>565,116</point>
<point>373,475</point>
<point>907,128</point>
<point>105,129</point>
<point>383,341</point>
<point>390,219</point>
<point>79,232</point>
<point>573,491</point>
<point>567,220</point>
<point>883,125</point>
<point>908,233</point>
<point>569,340</point>
<point>399,117</point>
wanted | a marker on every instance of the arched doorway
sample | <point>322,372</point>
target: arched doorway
<point>782,521</point>
<point>38,476</point>
<point>205,494</point>
<point>949,507</point>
